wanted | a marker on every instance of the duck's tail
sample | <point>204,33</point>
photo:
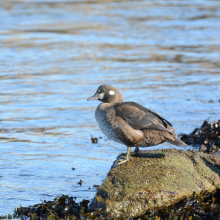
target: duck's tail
<point>177,142</point>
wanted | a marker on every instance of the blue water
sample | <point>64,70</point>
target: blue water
<point>53,56</point>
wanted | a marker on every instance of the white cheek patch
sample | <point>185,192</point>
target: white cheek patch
<point>101,96</point>
<point>111,92</point>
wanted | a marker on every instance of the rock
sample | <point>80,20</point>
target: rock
<point>156,179</point>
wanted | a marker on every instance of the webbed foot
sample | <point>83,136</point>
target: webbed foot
<point>123,161</point>
<point>128,157</point>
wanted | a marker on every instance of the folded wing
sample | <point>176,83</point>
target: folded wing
<point>139,117</point>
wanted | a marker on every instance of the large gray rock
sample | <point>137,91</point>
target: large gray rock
<point>155,179</point>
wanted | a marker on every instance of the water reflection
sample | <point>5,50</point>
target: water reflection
<point>54,54</point>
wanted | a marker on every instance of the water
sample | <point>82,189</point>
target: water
<point>53,56</point>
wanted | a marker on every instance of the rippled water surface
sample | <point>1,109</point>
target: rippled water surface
<point>53,56</point>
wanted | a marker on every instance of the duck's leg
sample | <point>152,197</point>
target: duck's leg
<point>136,151</point>
<point>128,156</point>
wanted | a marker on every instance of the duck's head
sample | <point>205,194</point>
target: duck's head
<point>107,94</point>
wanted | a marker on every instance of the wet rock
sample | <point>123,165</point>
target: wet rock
<point>207,137</point>
<point>155,180</point>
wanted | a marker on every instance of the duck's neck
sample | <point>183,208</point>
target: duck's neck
<point>105,106</point>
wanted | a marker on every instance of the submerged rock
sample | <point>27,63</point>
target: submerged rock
<point>155,180</point>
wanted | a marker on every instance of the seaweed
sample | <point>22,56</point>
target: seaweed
<point>94,140</point>
<point>192,208</point>
<point>60,208</point>
<point>65,207</point>
<point>207,137</point>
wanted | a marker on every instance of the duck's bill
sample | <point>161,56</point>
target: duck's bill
<point>94,97</point>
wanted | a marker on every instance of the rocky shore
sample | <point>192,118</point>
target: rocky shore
<point>161,184</point>
<point>64,207</point>
<point>170,183</point>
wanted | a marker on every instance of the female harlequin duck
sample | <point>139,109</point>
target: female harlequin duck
<point>130,123</point>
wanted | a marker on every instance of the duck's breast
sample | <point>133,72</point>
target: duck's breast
<point>115,128</point>
<point>106,120</point>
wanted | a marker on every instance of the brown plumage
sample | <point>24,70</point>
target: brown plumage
<point>130,123</point>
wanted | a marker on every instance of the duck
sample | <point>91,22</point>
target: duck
<point>130,123</point>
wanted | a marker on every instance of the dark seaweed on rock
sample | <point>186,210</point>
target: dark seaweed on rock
<point>193,208</point>
<point>207,137</point>
<point>60,208</point>
<point>65,207</point>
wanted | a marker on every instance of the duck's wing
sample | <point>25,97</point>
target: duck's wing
<point>139,117</point>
